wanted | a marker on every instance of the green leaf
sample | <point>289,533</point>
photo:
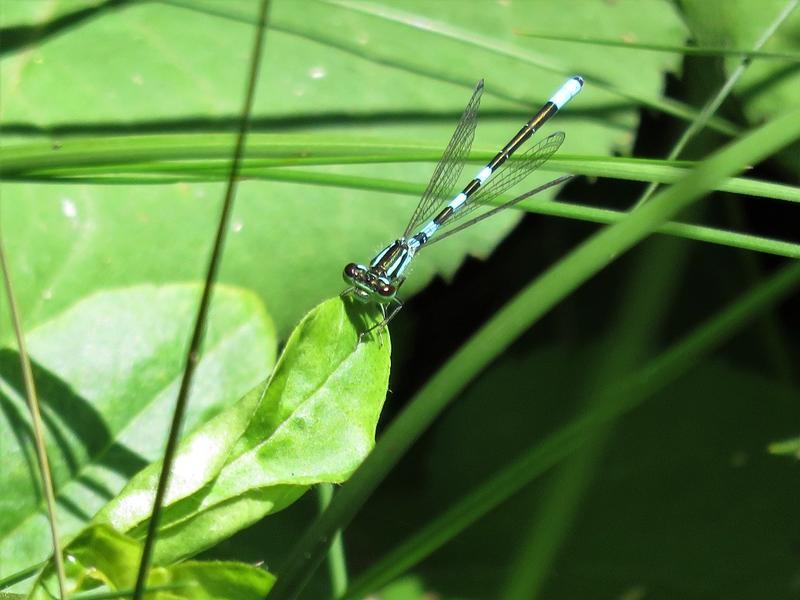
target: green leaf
<point>107,372</point>
<point>172,70</point>
<point>314,423</point>
<point>103,557</point>
<point>767,88</point>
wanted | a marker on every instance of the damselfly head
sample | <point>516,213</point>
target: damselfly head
<point>367,286</point>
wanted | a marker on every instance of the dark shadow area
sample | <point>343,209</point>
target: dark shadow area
<point>283,124</point>
<point>63,410</point>
<point>361,316</point>
<point>14,39</point>
<point>20,427</point>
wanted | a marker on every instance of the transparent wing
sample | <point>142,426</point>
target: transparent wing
<point>497,209</point>
<point>449,167</point>
<point>509,175</point>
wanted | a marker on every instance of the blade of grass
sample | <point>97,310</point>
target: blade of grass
<point>713,103</point>
<point>36,421</point>
<point>193,354</point>
<point>263,170</point>
<point>637,170</point>
<point>179,154</point>
<point>337,563</point>
<point>685,50</point>
<point>565,210</point>
<point>420,22</point>
<point>561,209</point>
<point>517,316</point>
<point>609,403</point>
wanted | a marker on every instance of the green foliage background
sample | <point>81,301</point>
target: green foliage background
<point>117,122</point>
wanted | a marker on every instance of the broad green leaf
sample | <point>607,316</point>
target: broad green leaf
<point>107,372</point>
<point>180,67</point>
<point>101,556</point>
<point>314,423</point>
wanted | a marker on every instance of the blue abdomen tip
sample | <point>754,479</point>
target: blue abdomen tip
<point>567,91</point>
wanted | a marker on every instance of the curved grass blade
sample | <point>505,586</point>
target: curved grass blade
<point>202,157</point>
<point>446,30</point>
<point>566,210</point>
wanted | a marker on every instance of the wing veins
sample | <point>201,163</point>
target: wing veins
<point>511,174</point>
<point>450,165</point>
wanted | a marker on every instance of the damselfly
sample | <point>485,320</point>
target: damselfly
<point>439,211</point>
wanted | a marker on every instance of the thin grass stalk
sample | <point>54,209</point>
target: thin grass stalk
<point>193,354</point>
<point>36,421</point>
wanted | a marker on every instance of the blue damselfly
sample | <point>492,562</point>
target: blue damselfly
<point>439,211</point>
